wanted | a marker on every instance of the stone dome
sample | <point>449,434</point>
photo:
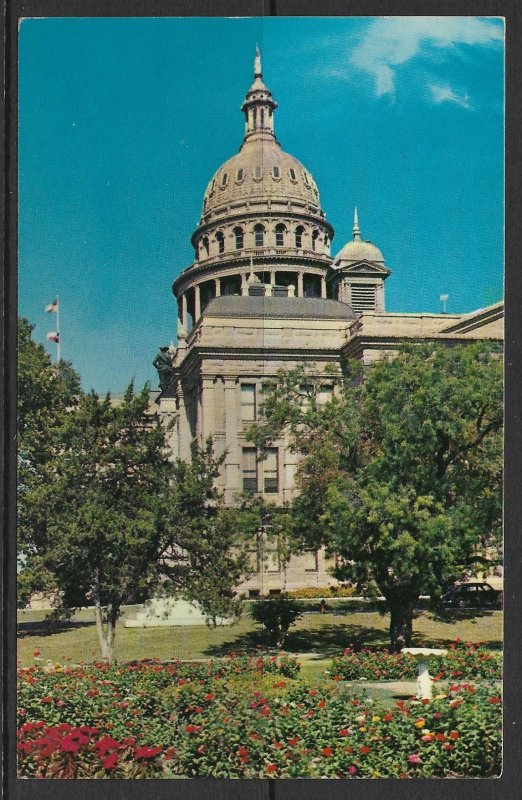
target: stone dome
<point>260,172</point>
<point>357,249</point>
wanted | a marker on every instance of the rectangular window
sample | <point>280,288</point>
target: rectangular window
<point>270,471</point>
<point>248,402</point>
<point>249,470</point>
<point>325,394</point>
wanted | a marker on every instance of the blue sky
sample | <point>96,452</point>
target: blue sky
<point>124,121</point>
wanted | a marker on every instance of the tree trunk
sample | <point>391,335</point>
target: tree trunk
<point>401,622</point>
<point>106,631</point>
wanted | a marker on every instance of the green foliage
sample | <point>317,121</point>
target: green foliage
<point>152,719</point>
<point>277,615</point>
<point>47,393</point>
<point>106,516</point>
<point>462,662</point>
<point>401,470</point>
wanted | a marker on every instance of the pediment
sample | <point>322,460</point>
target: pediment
<point>364,268</point>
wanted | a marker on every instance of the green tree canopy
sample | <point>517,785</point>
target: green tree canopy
<point>107,516</point>
<point>401,469</point>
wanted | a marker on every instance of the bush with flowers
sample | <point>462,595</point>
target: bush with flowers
<point>152,719</point>
<point>462,662</point>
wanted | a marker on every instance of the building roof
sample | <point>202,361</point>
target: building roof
<point>278,307</point>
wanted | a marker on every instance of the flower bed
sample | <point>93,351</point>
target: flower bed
<point>151,720</point>
<point>462,662</point>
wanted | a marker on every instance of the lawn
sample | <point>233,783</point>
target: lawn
<point>320,635</point>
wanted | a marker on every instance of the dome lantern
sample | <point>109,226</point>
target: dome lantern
<point>258,106</point>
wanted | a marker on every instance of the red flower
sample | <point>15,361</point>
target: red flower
<point>209,696</point>
<point>202,748</point>
<point>440,737</point>
<point>46,700</point>
<point>271,768</point>
<point>321,704</point>
<point>265,711</point>
<point>364,750</point>
<point>387,718</point>
<point>110,762</point>
<point>278,745</point>
<point>192,728</point>
<point>147,752</point>
<point>327,751</point>
<point>344,732</point>
<point>494,700</point>
<point>293,741</point>
<point>37,654</point>
<point>68,745</point>
<point>242,751</point>
<point>454,735</point>
<point>106,743</point>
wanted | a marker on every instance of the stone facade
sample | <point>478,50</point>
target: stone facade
<point>264,294</point>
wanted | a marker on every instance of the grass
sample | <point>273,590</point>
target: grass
<point>319,635</point>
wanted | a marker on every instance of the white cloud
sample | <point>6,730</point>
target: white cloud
<point>441,94</point>
<point>389,42</point>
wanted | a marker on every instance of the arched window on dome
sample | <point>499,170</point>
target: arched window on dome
<point>293,176</point>
<point>239,175</point>
<point>240,237</point>
<point>220,239</point>
<point>259,235</point>
<point>305,178</point>
<point>258,172</point>
<point>299,236</point>
<point>315,236</point>
<point>262,118</point>
<point>280,231</point>
<point>205,247</point>
<point>276,172</point>
<point>224,180</point>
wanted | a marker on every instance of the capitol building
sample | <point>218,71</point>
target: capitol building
<point>263,294</point>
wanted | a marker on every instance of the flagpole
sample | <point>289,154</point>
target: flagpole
<point>58,353</point>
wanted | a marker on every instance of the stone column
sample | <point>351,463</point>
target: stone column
<point>299,284</point>
<point>207,408</point>
<point>217,282</point>
<point>233,460</point>
<point>197,303</point>
<point>184,427</point>
<point>183,311</point>
<point>323,286</point>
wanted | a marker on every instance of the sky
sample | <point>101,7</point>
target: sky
<point>122,123</point>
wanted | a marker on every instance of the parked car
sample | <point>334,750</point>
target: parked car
<point>472,595</point>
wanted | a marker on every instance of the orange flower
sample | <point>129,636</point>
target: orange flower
<point>454,735</point>
<point>271,768</point>
<point>364,750</point>
<point>327,751</point>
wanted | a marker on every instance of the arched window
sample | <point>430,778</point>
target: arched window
<point>259,235</point>
<point>205,246</point>
<point>299,236</point>
<point>224,179</point>
<point>293,176</point>
<point>305,178</point>
<point>315,236</point>
<point>275,172</point>
<point>262,118</point>
<point>220,239</point>
<point>258,172</point>
<point>280,235</point>
<point>238,233</point>
<point>239,175</point>
<point>326,240</point>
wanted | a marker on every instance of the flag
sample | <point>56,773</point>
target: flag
<point>53,336</point>
<point>52,306</point>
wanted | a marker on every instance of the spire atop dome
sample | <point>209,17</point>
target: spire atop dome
<point>258,106</point>
<point>356,229</point>
<point>257,64</point>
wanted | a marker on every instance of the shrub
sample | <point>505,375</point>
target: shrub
<point>462,662</point>
<point>314,592</point>
<point>277,615</point>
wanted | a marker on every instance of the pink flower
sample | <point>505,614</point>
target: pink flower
<point>414,759</point>
<point>352,770</point>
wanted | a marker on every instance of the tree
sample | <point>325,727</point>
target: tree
<point>47,393</point>
<point>401,470</point>
<point>277,615</point>
<point>122,520</point>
